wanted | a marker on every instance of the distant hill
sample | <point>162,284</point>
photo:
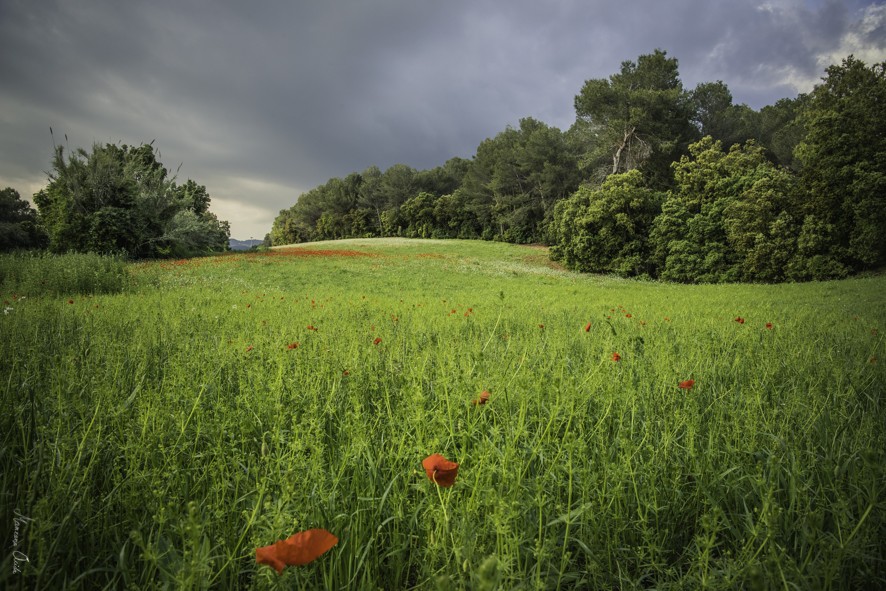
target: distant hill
<point>242,244</point>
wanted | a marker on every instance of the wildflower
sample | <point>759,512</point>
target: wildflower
<point>687,384</point>
<point>249,348</point>
<point>376,341</point>
<point>588,327</point>
<point>292,346</point>
<point>345,373</point>
<point>739,319</point>
<point>70,301</point>
<point>7,310</point>
<point>628,316</point>
<point>769,325</point>
<point>312,327</point>
<point>483,399</point>
<point>616,357</point>
<point>667,319</point>
<point>541,326</point>
<point>298,549</point>
<point>440,470</point>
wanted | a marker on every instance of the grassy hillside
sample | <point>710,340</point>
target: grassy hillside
<point>159,435</point>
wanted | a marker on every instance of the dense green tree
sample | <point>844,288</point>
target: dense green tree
<point>843,159</point>
<point>781,129</point>
<point>605,230</point>
<point>445,179</point>
<point>18,223</point>
<point>711,102</point>
<point>641,117</point>
<point>418,214</point>
<point>121,198</point>
<point>726,216</point>
<point>516,178</point>
<point>715,115</point>
<point>286,228</point>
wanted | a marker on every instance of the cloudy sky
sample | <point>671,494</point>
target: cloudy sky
<point>261,101</point>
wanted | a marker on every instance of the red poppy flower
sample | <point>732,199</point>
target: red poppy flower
<point>769,325</point>
<point>628,316</point>
<point>345,373</point>
<point>311,327</point>
<point>739,319</point>
<point>296,550</point>
<point>376,341</point>
<point>687,384</point>
<point>588,327</point>
<point>541,326</point>
<point>616,357</point>
<point>483,399</point>
<point>667,319</point>
<point>249,348</point>
<point>453,311</point>
<point>440,470</point>
<point>292,346</point>
<point>70,301</point>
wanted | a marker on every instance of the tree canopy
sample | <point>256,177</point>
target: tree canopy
<point>651,179</point>
<point>18,223</point>
<point>120,198</point>
<point>641,116</point>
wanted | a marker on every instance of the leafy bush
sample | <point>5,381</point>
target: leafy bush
<point>606,229</point>
<point>730,217</point>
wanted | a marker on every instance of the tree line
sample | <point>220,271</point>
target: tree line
<point>115,199</point>
<point>651,180</point>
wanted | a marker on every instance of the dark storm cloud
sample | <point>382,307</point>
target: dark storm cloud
<point>262,103</point>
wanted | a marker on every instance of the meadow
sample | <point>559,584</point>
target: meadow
<point>162,422</point>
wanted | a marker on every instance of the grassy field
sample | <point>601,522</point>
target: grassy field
<point>155,437</point>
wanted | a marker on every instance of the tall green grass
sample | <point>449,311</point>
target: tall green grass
<point>38,273</point>
<point>156,438</point>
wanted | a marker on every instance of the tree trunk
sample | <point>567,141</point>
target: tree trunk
<point>616,159</point>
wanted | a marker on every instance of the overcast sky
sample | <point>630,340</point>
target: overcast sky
<point>261,101</point>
